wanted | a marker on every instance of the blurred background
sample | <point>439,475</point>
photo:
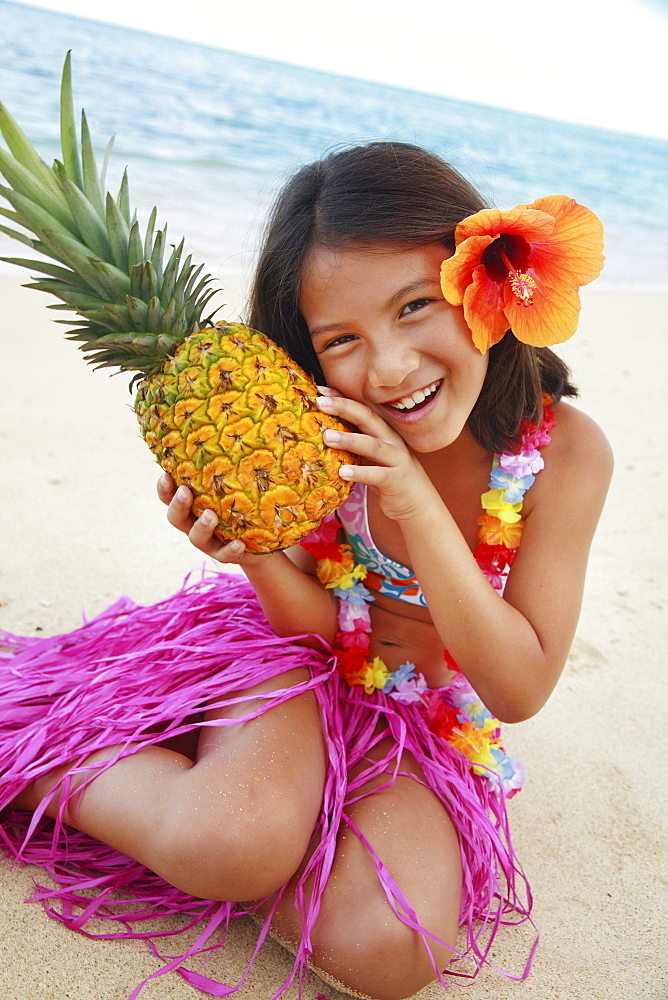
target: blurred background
<point>213,106</point>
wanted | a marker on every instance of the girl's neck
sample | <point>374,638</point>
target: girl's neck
<point>464,456</point>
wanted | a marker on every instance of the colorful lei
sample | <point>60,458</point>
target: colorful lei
<point>513,473</point>
<point>455,712</point>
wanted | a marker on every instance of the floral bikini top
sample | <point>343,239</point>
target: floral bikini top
<point>500,523</point>
<point>384,575</point>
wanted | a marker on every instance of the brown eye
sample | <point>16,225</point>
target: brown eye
<point>413,306</point>
<point>343,339</point>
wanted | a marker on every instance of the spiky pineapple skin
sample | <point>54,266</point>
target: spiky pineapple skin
<point>231,416</point>
<point>224,410</point>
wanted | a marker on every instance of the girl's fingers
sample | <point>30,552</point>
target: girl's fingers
<point>325,390</point>
<point>201,533</point>
<point>359,415</point>
<point>166,488</point>
<point>178,511</point>
<point>230,552</point>
<point>202,538</point>
<point>200,530</point>
<point>400,496</point>
<point>381,477</point>
<point>377,443</point>
<point>179,504</point>
<point>375,450</point>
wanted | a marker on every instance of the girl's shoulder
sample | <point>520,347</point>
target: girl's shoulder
<point>577,439</point>
<point>578,462</point>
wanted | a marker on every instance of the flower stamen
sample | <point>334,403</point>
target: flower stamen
<point>521,285</point>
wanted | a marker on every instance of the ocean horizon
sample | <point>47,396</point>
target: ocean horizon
<point>210,136</point>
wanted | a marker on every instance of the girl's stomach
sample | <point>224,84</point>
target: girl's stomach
<point>396,638</point>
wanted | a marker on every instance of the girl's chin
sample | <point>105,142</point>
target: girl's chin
<point>442,431</point>
<point>429,444</point>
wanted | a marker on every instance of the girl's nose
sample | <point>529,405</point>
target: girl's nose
<point>391,363</point>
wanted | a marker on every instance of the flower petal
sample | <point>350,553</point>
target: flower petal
<point>552,317</point>
<point>523,220</point>
<point>457,271</point>
<point>574,251</point>
<point>484,310</point>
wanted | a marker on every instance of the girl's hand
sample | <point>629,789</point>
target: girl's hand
<point>391,469</point>
<point>200,530</point>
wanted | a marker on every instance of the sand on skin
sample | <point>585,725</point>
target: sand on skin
<point>81,524</point>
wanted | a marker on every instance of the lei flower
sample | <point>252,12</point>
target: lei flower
<point>512,485</point>
<point>501,525</point>
<point>337,571</point>
<point>496,532</point>
<point>496,502</point>
<point>525,463</point>
<point>534,255</point>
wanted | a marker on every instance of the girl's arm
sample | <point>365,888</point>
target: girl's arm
<point>512,650</point>
<point>294,602</point>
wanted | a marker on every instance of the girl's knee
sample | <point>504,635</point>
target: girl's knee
<point>379,956</point>
<point>231,855</point>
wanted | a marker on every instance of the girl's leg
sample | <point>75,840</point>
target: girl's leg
<point>358,940</point>
<point>233,824</point>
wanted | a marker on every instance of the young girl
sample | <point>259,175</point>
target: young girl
<point>348,786</point>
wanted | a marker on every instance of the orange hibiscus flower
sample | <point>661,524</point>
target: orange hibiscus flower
<point>533,256</point>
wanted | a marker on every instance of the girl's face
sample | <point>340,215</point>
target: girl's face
<point>386,337</point>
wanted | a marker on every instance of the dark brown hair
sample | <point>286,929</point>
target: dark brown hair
<point>401,194</point>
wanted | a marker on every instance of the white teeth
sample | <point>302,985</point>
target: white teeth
<point>419,396</point>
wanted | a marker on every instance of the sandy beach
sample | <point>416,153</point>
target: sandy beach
<point>81,524</point>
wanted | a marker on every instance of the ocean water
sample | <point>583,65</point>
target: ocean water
<point>210,135</point>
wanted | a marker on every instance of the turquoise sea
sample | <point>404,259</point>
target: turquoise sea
<point>210,135</point>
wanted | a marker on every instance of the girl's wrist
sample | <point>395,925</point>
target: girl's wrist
<point>256,564</point>
<point>426,513</point>
<point>271,571</point>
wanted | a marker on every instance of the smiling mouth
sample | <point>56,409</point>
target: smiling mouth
<point>417,399</point>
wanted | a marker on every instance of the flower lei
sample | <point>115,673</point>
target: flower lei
<point>455,712</point>
<point>337,571</point>
<point>513,473</point>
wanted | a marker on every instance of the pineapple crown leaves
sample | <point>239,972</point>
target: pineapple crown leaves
<point>135,306</point>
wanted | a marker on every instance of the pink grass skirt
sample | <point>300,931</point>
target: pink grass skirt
<point>135,676</point>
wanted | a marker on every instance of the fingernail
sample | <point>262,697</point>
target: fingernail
<point>325,403</point>
<point>324,390</point>
<point>164,480</point>
<point>208,518</point>
<point>182,494</point>
<point>330,436</point>
<point>346,471</point>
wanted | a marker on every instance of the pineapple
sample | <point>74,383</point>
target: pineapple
<point>224,410</point>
